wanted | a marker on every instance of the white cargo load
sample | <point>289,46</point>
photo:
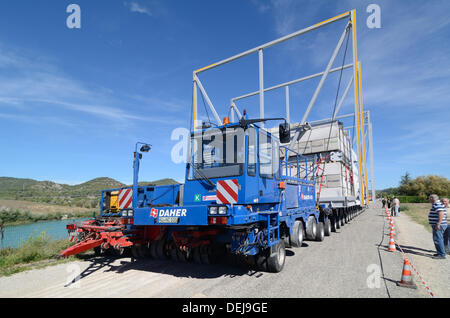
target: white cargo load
<point>337,177</point>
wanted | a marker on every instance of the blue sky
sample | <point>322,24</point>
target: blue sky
<point>74,102</point>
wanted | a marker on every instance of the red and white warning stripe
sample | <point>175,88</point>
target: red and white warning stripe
<point>227,191</point>
<point>125,198</point>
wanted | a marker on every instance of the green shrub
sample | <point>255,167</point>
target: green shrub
<point>412,199</point>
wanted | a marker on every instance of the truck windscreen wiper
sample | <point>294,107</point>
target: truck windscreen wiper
<point>203,177</point>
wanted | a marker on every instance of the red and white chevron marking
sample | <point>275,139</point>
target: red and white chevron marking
<point>227,191</point>
<point>125,198</point>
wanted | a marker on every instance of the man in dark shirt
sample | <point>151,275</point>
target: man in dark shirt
<point>437,218</point>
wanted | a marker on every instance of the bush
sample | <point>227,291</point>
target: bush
<point>412,199</point>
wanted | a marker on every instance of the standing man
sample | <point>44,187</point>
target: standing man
<point>396,203</point>
<point>437,218</point>
<point>384,202</point>
<point>447,231</point>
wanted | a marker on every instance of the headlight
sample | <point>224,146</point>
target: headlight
<point>124,213</point>
<point>222,210</point>
<point>130,213</point>
<point>213,210</point>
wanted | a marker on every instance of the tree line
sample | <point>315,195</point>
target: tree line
<point>420,187</point>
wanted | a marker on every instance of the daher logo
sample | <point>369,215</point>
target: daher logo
<point>168,212</point>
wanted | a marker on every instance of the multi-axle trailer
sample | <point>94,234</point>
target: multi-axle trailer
<point>247,192</point>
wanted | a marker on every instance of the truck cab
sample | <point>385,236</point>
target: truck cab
<point>233,173</point>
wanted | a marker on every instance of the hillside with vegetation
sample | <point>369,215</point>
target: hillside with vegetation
<point>84,195</point>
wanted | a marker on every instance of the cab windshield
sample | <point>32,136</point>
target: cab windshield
<point>216,153</point>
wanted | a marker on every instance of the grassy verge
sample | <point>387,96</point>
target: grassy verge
<point>36,252</point>
<point>418,212</point>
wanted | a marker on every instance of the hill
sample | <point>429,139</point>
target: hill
<point>85,194</point>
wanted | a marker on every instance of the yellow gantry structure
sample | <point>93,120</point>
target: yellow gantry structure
<point>359,111</point>
<point>363,130</point>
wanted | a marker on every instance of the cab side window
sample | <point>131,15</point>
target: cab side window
<point>265,155</point>
<point>251,152</point>
<point>276,158</point>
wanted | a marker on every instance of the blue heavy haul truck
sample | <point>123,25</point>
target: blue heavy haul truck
<point>242,195</point>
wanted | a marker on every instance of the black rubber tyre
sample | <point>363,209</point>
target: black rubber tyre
<point>298,234</point>
<point>261,261</point>
<point>287,241</point>
<point>135,251</point>
<point>161,252</point>
<point>182,256</point>
<point>277,258</point>
<point>311,230</point>
<point>173,254</point>
<point>341,217</point>
<point>320,233</point>
<point>205,254</point>
<point>153,253</point>
<point>196,255</point>
<point>327,225</point>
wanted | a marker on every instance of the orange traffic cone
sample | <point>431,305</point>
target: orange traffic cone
<point>406,276</point>
<point>391,243</point>
<point>392,230</point>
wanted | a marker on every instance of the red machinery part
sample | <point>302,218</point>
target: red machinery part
<point>109,234</point>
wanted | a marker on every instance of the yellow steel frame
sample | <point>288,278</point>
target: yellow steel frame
<point>358,99</point>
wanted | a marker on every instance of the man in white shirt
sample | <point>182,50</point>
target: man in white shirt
<point>396,203</point>
<point>447,231</point>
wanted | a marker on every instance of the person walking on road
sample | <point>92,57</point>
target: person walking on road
<point>396,206</point>
<point>445,202</point>
<point>437,218</point>
<point>384,202</point>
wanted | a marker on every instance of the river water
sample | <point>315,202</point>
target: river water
<point>15,235</point>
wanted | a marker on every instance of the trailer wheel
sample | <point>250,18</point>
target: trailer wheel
<point>173,254</point>
<point>333,224</point>
<point>261,261</point>
<point>182,256</point>
<point>196,255</point>
<point>312,228</point>
<point>205,253</point>
<point>277,258</point>
<point>320,234</point>
<point>298,234</point>
<point>161,252</point>
<point>153,253</point>
<point>135,251</point>
<point>327,225</point>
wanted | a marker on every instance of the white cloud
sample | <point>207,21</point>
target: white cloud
<point>28,85</point>
<point>136,7</point>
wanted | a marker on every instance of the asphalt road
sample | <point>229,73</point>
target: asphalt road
<point>354,262</point>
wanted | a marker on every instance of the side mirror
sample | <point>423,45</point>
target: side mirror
<point>284,131</point>
<point>145,148</point>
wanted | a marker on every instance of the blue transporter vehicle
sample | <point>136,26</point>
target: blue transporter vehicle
<point>242,195</point>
